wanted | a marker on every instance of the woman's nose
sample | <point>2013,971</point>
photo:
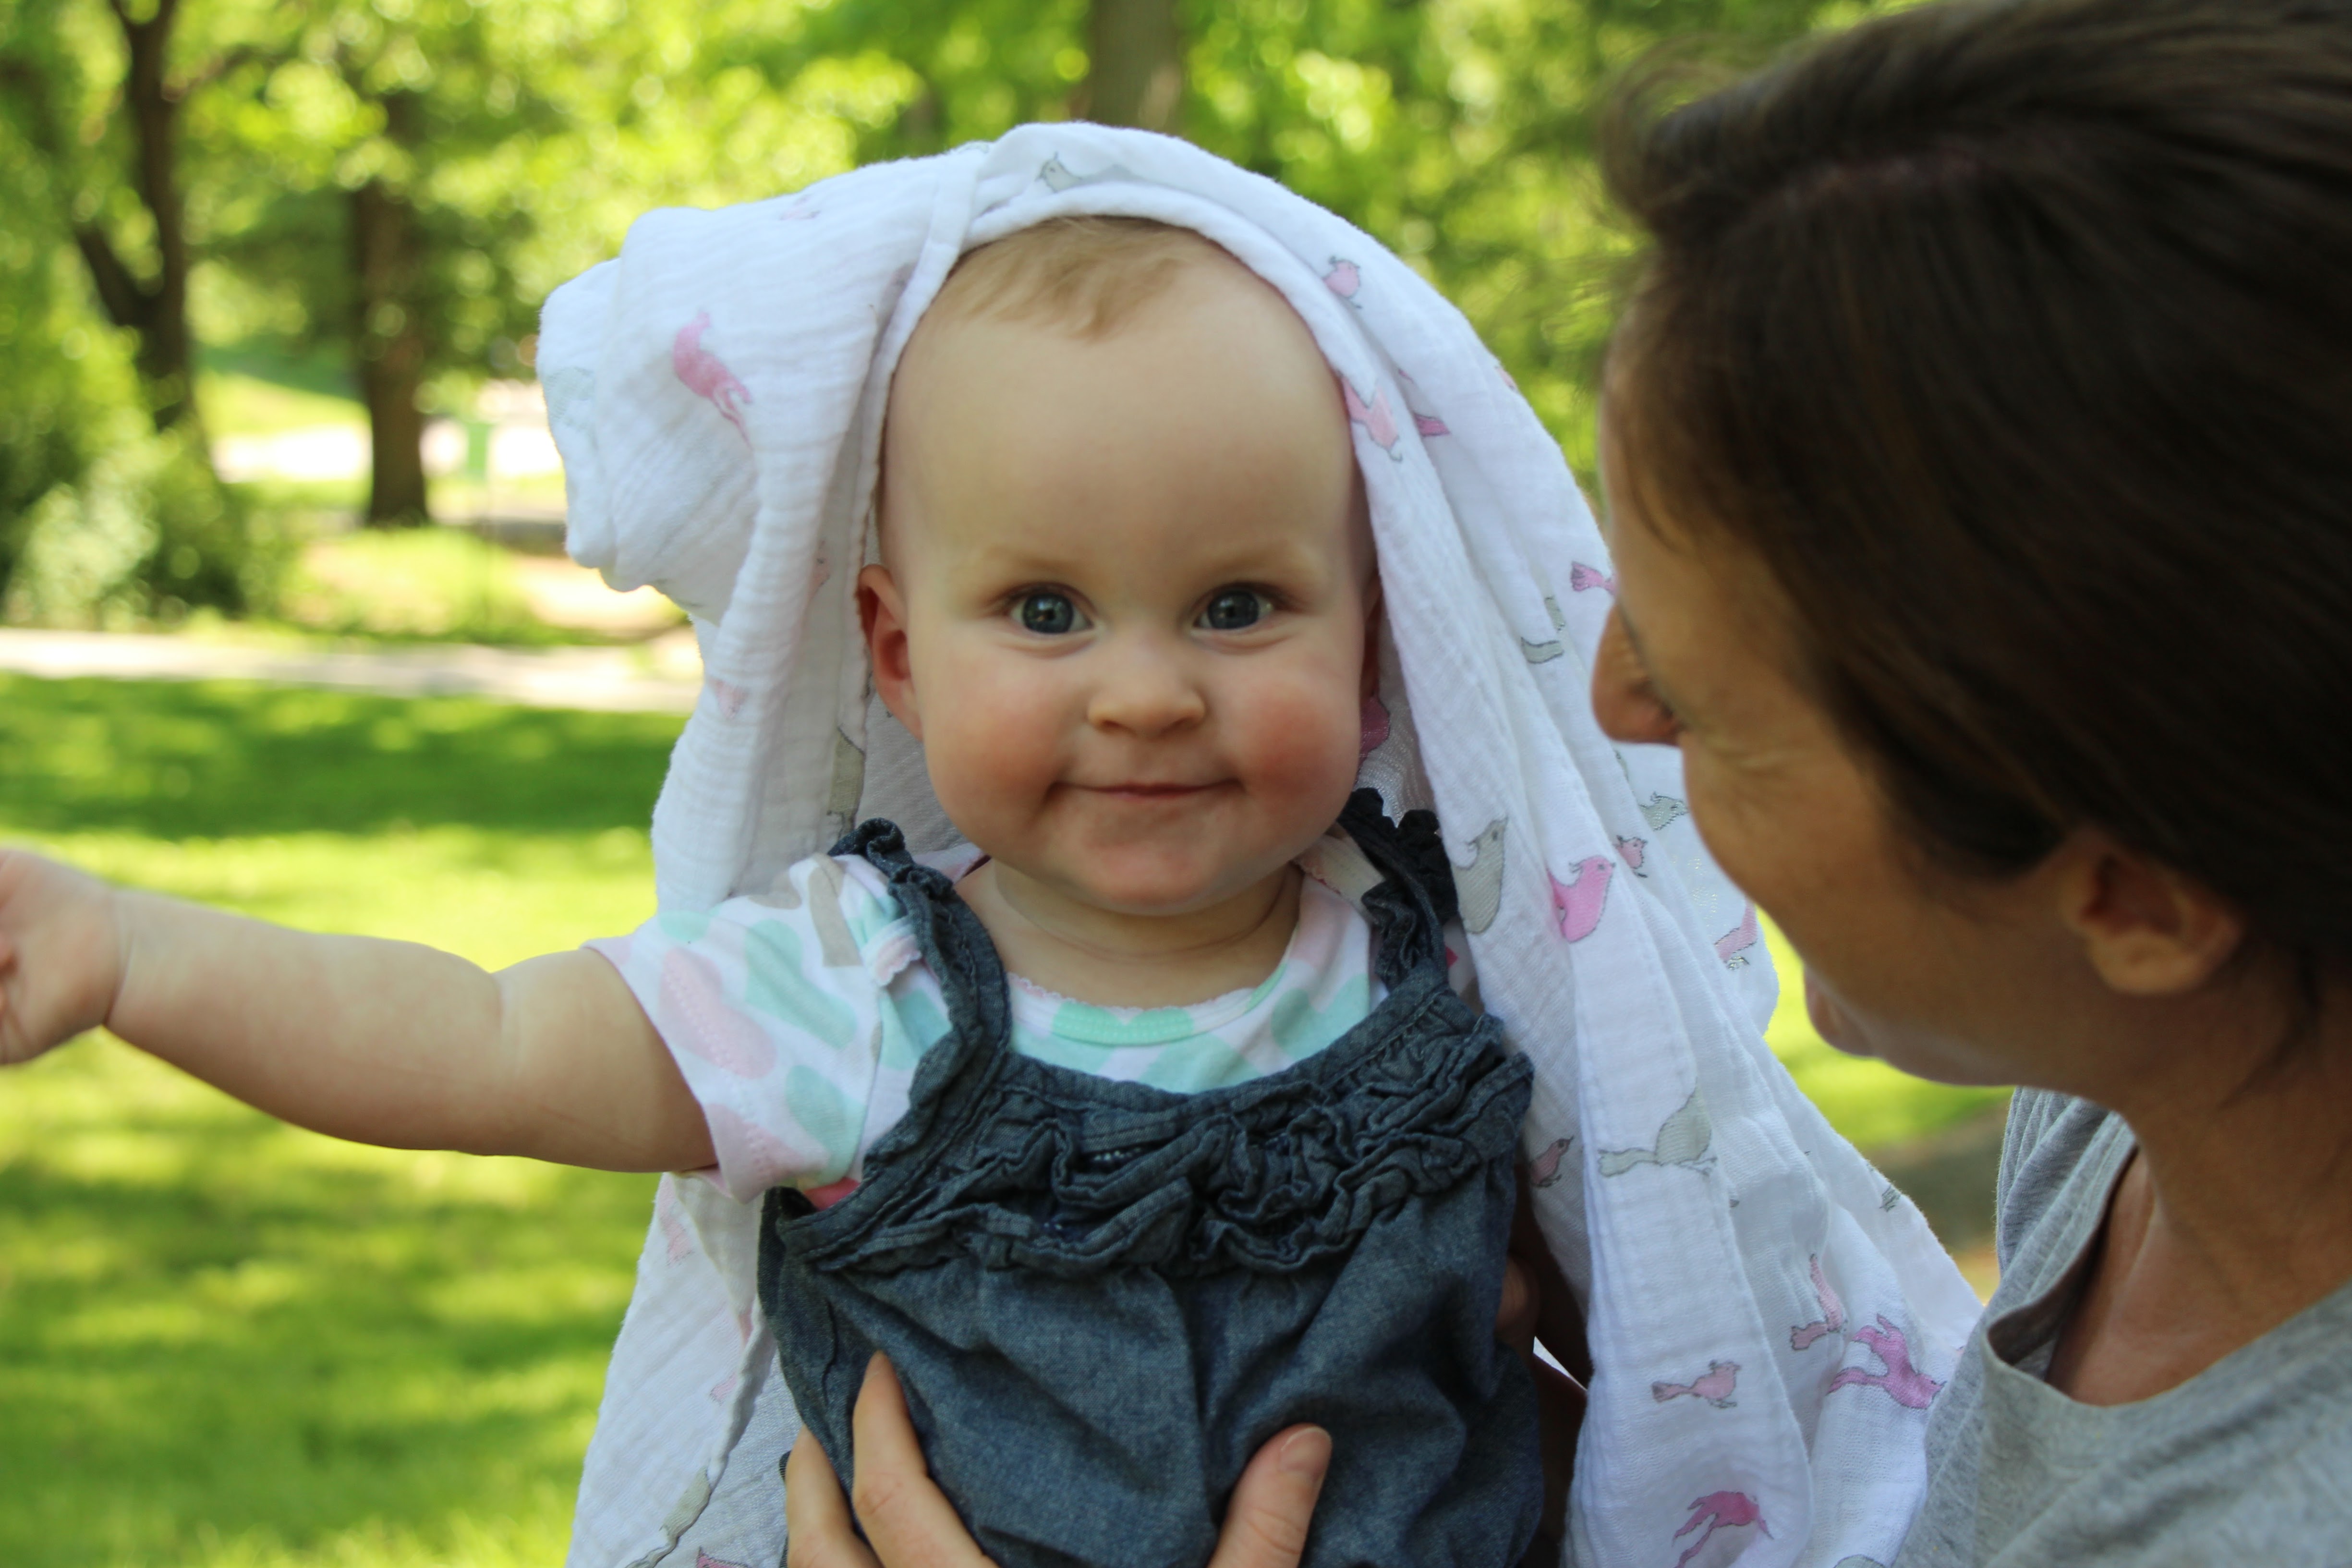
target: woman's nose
<point>1144,691</point>
<point>1621,698</point>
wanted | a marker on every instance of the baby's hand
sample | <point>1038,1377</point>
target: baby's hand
<point>61,954</point>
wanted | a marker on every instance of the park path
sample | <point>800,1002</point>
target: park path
<point>605,679</point>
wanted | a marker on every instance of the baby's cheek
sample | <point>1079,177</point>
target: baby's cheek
<point>990,743</point>
<point>1305,739</point>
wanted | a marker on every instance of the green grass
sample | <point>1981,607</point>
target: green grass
<point>224,1343</point>
<point>414,584</point>
<point>238,403</point>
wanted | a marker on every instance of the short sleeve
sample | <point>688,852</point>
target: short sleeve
<point>772,1009</point>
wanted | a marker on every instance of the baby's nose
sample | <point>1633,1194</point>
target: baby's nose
<point>1145,691</point>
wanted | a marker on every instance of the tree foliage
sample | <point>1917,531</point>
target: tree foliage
<point>1459,133</point>
<point>399,183</point>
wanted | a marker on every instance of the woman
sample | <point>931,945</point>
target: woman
<point>1978,445</point>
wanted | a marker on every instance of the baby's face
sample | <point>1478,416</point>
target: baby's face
<point>1126,589</point>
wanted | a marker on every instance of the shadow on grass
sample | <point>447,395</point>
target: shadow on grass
<point>222,1329</point>
<point>226,758</point>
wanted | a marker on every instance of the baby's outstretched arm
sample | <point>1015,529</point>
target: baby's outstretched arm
<point>381,1042</point>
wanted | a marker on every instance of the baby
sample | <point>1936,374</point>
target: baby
<point>1144,1126</point>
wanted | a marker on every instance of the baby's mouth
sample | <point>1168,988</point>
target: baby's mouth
<point>1148,789</point>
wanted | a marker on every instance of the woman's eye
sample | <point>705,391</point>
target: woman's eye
<point>1235,609</point>
<point>1046,614</point>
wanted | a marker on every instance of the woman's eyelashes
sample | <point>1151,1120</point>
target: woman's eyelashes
<point>1664,724</point>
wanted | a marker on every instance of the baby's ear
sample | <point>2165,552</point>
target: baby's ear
<point>882,616</point>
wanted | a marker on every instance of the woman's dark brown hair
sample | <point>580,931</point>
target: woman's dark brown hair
<point>2015,341</point>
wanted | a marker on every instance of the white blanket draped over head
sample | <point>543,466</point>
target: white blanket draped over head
<point>1768,1318</point>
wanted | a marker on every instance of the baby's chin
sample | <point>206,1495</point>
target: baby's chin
<point>1151,887</point>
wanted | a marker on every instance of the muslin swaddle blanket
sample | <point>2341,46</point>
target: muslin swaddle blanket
<point>1768,1320</point>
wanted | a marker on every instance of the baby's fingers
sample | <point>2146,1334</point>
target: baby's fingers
<point>817,1531</point>
<point>1266,1526</point>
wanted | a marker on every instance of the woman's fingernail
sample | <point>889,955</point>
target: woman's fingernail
<point>1308,1453</point>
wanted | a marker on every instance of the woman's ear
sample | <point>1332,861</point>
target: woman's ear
<point>882,615</point>
<point>2147,930</point>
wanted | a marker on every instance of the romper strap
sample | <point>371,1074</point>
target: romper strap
<point>1410,907</point>
<point>957,948</point>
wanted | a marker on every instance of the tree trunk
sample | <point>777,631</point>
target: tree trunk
<point>1137,75</point>
<point>389,332</point>
<point>157,308</point>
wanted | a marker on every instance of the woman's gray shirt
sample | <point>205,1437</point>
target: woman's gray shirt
<point>2250,1462</point>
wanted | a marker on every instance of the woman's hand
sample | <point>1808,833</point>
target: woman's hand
<point>909,1523</point>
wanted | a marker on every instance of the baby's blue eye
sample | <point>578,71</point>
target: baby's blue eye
<point>1046,614</point>
<point>1234,609</point>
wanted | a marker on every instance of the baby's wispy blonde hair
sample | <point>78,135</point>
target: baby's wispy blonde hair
<point>1087,273</point>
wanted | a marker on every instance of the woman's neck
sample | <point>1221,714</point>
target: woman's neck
<point>2234,1215</point>
<point>1134,961</point>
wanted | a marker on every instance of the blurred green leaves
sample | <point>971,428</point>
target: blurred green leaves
<point>519,138</point>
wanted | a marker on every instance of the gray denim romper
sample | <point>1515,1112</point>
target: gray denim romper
<point>1102,1297</point>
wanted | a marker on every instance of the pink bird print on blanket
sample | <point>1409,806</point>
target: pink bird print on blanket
<point>705,374</point>
<point>678,1244</point>
<point>1343,280</point>
<point>1578,901</point>
<point>1832,1317</point>
<point>1737,940</point>
<point>727,695</point>
<point>1377,421</point>
<point>1634,851</point>
<point>1719,1510</point>
<point>1430,424</point>
<point>1715,1385</point>
<point>704,1560</point>
<point>1904,1384</point>
<point>1582,577</point>
<point>1544,1169</point>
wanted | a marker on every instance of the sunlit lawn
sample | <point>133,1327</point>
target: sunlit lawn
<point>227,1344</point>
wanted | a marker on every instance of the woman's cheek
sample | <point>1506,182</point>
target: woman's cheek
<point>1725,820</point>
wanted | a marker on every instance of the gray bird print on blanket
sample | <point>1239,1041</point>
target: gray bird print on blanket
<point>1478,887</point>
<point>1683,1140</point>
<point>1662,809</point>
<point>1552,648</point>
<point>1058,177</point>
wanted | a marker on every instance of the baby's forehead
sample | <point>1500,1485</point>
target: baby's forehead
<point>1059,375</point>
